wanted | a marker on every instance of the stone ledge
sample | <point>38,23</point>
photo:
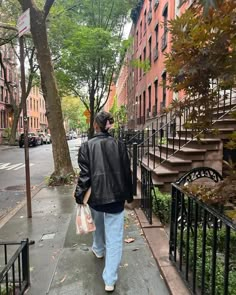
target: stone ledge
<point>159,244</point>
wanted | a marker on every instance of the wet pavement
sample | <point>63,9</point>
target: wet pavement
<point>62,263</point>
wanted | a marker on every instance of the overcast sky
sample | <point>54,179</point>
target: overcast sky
<point>127,30</point>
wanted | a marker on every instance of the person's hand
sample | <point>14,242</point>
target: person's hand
<point>78,198</point>
<point>130,200</point>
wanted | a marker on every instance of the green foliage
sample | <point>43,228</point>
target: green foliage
<point>144,65</point>
<point>89,36</point>
<point>208,262</point>
<point>161,206</point>
<point>119,113</point>
<point>55,180</point>
<point>73,109</point>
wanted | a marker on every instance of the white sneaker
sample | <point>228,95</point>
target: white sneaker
<point>98,256</point>
<point>109,288</point>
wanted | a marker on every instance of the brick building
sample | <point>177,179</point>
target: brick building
<point>6,110</point>
<point>147,93</point>
<point>151,42</point>
<point>110,99</point>
<point>36,110</point>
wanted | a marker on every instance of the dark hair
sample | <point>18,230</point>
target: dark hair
<point>101,119</point>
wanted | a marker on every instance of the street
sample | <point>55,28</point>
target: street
<point>12,171</point>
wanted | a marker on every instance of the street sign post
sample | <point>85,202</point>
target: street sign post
<point>23,23</point>
<point>23,26</point>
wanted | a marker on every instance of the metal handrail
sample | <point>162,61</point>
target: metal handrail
<point>210,208</point>
<point>172,120</point>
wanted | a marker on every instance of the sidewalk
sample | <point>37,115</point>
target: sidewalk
<point>61,263</point>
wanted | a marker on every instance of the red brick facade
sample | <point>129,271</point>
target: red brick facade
<point>6,111</point>
<point>146,90</point>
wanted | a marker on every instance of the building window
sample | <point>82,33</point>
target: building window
<point>140,106</point>
<point>3,119</point>
<point>144,58</point>
<point>156,3</point>
<point>1,93</point>
<point>6,97</point>
<point>156,42</point>
<point>141,31</point>
<point>137,40</point>
<point>145,22</point>
<point>154,111</point>
<point>31,122</point>
<point>140,67</point>
<point>149,16</point>
<point>31,103</point>
<point>164,36</point>
<point>149,97</point>
<point>144,106</point>
<point>164,90</point>
<point>150,50</point>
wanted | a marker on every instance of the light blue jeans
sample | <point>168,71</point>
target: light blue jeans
<point>108,240</point>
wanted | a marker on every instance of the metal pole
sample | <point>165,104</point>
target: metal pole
<point>135,163</point>
<point>25,119</point>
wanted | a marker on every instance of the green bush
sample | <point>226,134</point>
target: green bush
<point>208,260</point>
<point>161,206</point>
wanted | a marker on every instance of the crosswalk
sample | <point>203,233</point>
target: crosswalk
<point>11,166</point>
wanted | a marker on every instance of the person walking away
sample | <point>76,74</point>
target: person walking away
<point>105,167</point>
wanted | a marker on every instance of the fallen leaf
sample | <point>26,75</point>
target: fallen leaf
<point>125,265</point>
<point>62,280</point>
<point>129,240</point>
<point>135,249</point>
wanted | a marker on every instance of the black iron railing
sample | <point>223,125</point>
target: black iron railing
<point>14,269</point>
<point>168,133</point>
<point>202,240</point>
<point>147,192</point>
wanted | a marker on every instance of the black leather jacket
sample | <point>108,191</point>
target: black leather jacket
<point>105,166</point>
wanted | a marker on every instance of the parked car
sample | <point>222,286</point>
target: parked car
<point>73,134</point>
<point>33,139</point>
<point>46,138</point>
<point>69,136</point>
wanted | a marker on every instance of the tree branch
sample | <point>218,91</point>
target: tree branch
<point>47,6</point>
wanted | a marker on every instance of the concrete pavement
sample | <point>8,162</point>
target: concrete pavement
<point>62,263</point>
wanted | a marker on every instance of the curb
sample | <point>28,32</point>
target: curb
<point>14,210</point>
<point>158,242</point>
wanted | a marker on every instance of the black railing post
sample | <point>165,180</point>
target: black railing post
<point>25,263</point>
<point>172,221</point>
<point>135,163</point>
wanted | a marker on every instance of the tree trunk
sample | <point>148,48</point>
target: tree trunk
<point>61,155</point>
<point>16,116</point>
<point>91,105</point>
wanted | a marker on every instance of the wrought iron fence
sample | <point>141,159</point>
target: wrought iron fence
<point>147,192</point>
<point>202,240</point>
<point>14,268</point>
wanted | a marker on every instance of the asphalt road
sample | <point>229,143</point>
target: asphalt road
<point>12,171</point>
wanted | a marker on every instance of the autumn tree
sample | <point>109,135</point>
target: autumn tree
<point>202,61</point>
<point>38,19</point>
